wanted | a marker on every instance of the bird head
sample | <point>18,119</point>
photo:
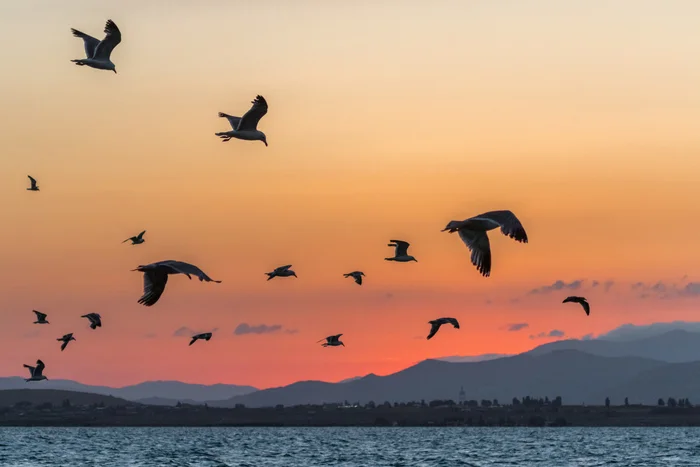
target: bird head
<point>452,226</point>
<point>294,274</point>
<point>341,343</point>
<point>141,268</point>
<point>112,67</point>
<point>263,138</point>
<point>413,259</point>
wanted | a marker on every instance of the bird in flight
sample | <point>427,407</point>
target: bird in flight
<point>282,271</point>
<point>357,275</point>
<point>246,127</point>
<point>40,317</point>
<point>582,300</point>
<point>331,341</point>
<point>155,276</point>
<point>66,339</point>
<point>98,52</point>
<point>36,372</point>
<point>34,186</point>
<point>95,320</point>
<point>137,239</point>
<point>401,255</point>
<point>205,335</point>
<point>472,231</point>
<point>436,323</point>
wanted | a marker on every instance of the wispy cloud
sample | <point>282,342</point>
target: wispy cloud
<point>245,328</point>
<point>557,285</point>
<point>605,285</point>
<point>665,290</point>
<point>552,333</point>
<point>184,331</point>
<point>513,327</point>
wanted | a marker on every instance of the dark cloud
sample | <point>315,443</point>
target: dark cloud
<point>558,285</point>
<point>552,333</point>
<point>664,290</point>
<point>516,326</point>
<point>245,328</point>
<point>691,289</point>
<point>604,285</point>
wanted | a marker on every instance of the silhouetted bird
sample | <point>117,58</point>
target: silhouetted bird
<point>246,127</point>
<point>155,276</point>
<point>472,231</point>
<point>401,254</point>
<point>137,239</point>
<point>36,372</point>
<point>436,323</point>
<point>95,320</point>
<point>40,317</point>
<point>357,275</point>
<point>205,335</point>
<point>331,341</point>
<point>282,271</point>
<point>582,300</point>
<point>66,339</point>
<point>34,186</point>
<point>98,52</point>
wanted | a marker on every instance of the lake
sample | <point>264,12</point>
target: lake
<point>366,447</point>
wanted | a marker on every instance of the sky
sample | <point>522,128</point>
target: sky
<point>387,119</point>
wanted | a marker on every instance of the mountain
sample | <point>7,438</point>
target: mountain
<point>474,358</point>
<point>158,390</point>
<point>628,332</point>
<point>575,376</point>
<point>10,397</point>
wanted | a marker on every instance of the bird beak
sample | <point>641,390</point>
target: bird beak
<point>115,71</point>
<point>265,143</point>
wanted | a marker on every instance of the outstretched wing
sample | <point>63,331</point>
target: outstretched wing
<point>478,244</point>
<point>358,279</point>
<point>39,368</point>
<point>453,322</point>
<point>334,338</point>
<point>32,181</point>
<point>187,268</point>
<point>234,121</point>
<point>250,120</point>
<point>433,329</point>
<point>510,224</point>
<point>39,315</point>
<point>140,236</point>
<point>153,286</point>
<point>90,42</point>
<point>31,369</point>
<point>283,268</point>
<point>401,247</point>
<point>194,339</point>
<point>586,307</point>
<point>112,38</point>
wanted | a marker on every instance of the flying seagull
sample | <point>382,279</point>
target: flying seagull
<point>95,320</point>
<point>582,300</point>
<point>98,52</point>
<point>246,127</point>
<point>472,231</point>
<point>137,239</point>
<point>40,317</point>
<point>436,323</point>
<point>34,186</point>
<point>282,271</point>
<point>205,335</point>
<point>401,253</point>
<point>155,276</point>
<point>36,371</point>
<point>66,339</point>
<point>357,275</point>
<point>331,341</point>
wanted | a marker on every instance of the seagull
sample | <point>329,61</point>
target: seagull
<point>401,254</point>
<point>246,127</point>
<point>357,275</point>
<point>155,276</point>
<point>98,52</point>
<point>137,239</point>
<point>36,371</point>
<point>34,186</point>
<point>436,323</point>
<point>205,335</point>
<point>472,231</point>
<point>331,341</point>
<point>40,317</point>
<point>582,300</point>
<point>66,339</point>
<point>282,271</point>
<point>95,320</point>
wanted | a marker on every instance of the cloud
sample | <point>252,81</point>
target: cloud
<point>587,337</point>
<point>552,333</point>
<point>184,331</point>
<point>558,285</point>
<point>605,285</point>
<point>245,328</point>
<point>516,326</point>
<point>664,290</point>
<point>631,331</point>
<point>291,331</point>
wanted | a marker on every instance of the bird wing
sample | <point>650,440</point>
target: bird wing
<point>153,286</point>
<point>39,368</point>
<point>283,268</point>
<point>68,336</point>
<point>39,315</point>
<point>90,42</point>
<point>112,38</point>
<point>453,322</point>
<point>194,339</point>
<point>480,247</point>
<point>234,121</point>
<point>510,224</point>
<point>140,236</point>
<point>250,120</point>
<point>207,335</point>
<point>586,307</point>
<point>334,338</point>
<point>434,329</point>
<point>63,346</point>
<point>187,268</point>
<point>401,247</point>
<point>32,180</point>
<point>358,279</point>
<point>571,299</point>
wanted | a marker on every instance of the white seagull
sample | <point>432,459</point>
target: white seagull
<point>155,276</point>
<point>34,186</point>
<point>436,323</point>
<point>95,320</point>
<point>205,335</point>
<point>137,239</point>
<point>401,255</point>
<point>40,317</point>
<point>246,127</point>
<point>36,372</point>
<point>472,231</point>
<point>331,341</point>
<point>582,301</point>
<point>357,275</point>
<point>282,271</point>
<point>66,339</point>
<point>98,52</point>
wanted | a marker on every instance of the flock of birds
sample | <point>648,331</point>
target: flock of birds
<point>472,231</point>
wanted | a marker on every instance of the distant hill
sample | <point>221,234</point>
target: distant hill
<point>10,397</point>
<point>474,358</point>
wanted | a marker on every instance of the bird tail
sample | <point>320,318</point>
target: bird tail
<point>270,275</point>
<point>78,61</point>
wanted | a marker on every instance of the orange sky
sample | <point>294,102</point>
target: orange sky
<point>387,119</point>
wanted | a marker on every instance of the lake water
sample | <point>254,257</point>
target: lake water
<point>366,447</point>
